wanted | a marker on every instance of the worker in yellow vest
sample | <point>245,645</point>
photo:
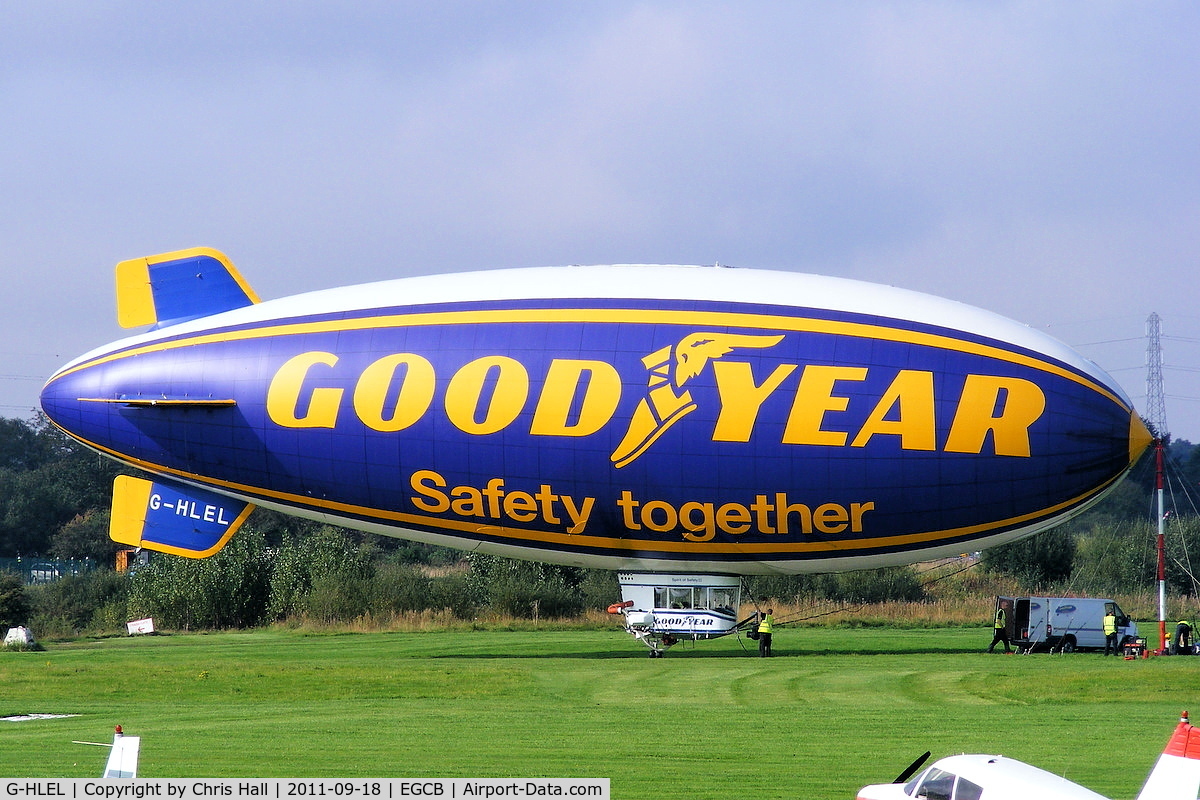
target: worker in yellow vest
<point>1001,628</point>
<point>1110,632</point>
<point>766,622</point>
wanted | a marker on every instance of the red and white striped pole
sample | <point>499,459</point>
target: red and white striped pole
<point>1162,558</point>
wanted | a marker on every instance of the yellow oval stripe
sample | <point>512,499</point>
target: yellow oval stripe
<point>693,319</point>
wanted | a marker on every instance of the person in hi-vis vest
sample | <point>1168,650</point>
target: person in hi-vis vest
<point>766,622</point>
<point>1001,628</point>
<point>1110,632</point>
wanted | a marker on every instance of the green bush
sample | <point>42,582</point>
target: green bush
<point>525,589</point>
<point>323,564</point>
<point>110,617</point>
<point>796,589</point>
<point>599,589</point>
<point>860,586</point>
<point>452,592</point>
<point>338,597</point>
<point>228,590</point>
<point>399,587</point>
<point>14,604</point>
<point>69,605</point>
<point>1037,561</point>
<point>888,584</point>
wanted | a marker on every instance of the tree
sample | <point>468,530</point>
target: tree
<point>599,588</point>
<point>328,563</point>
<point>526,589</point>
<point>85,536</point>
<point>14,605</point>
<point>1115,557</point>
<point>73,602</point>
<point>1190,466</point>
<point>46,480</point>
<point>793,588</point>
<point>228,590</point>
<point>21,447</point>
<point>1036,561</point>
<point>887,584</point>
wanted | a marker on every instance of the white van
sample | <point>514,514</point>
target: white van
<point>1063,623</point>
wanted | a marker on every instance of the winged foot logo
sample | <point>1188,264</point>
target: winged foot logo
<point>666,400</point>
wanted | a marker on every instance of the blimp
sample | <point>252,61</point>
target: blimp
<point>682,425</point>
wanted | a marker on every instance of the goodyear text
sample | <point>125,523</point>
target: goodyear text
<point>579,397</point>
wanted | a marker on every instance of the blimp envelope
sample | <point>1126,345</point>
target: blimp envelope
<point>628,417</point>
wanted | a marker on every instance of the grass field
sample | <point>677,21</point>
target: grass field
<point>834,710</point>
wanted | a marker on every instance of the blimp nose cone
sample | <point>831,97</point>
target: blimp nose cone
<point>60,401</point>
<point>1140,437</point>
<point>74,400</point>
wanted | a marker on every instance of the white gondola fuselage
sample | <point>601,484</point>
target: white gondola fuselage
<point>663,609</point>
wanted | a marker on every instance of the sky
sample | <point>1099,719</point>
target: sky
<point>1036,159</point>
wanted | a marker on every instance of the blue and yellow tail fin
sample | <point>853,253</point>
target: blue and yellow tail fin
<point>173,518</point>
<point>174,287</point>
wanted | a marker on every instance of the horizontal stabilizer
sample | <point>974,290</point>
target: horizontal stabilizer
<point>1176,776</point>
<point>123,760</point>
<point>173,518</point>
<point>175,287</point>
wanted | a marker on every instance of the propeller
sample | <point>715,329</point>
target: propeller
<point>912,768</point>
